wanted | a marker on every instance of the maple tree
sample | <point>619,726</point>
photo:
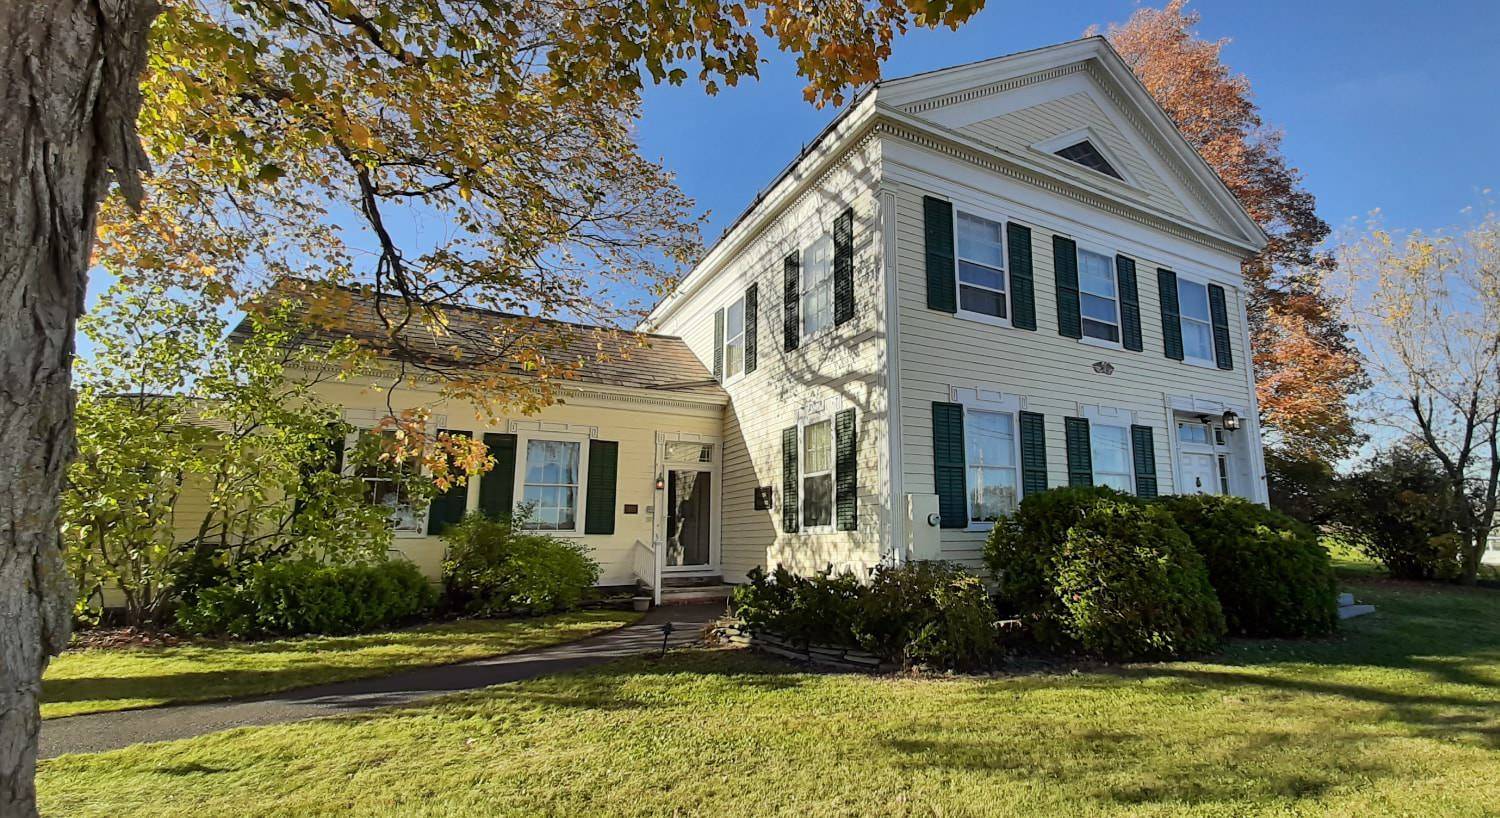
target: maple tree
<point>268,121</point>
<point>1306,368</point>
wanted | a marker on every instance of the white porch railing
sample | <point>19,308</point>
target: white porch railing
<point>646,565</point>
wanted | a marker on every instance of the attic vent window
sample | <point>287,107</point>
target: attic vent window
<point>1084,153</point>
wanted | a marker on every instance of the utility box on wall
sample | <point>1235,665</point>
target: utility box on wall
<point>924,531</point>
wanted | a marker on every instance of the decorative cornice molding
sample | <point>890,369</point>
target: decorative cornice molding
<point>990,89</point>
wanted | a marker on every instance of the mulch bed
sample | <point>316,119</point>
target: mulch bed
<point>123,638</point>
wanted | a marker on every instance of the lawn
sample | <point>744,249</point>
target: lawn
<point>91,681</point>
<point>1400,714</point>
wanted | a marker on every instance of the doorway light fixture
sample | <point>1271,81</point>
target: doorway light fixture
<point>1231,420</point>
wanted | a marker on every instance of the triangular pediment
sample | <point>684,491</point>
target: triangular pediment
<point>1075,112</point>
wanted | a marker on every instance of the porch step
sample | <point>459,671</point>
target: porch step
<point>690,581</point>
<point>695,595</point>
<point>1348,608</point>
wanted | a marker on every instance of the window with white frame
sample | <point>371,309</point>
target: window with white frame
<point>817,287</point>
<point>1098,298</point>
<point>550,484</point>
<point>990,441</point>
<point>734,339</point>
<point>981,266</point>
<point>817,474</point>
<point>1197,328</point>
<point>386,486</point>
<point>1109,448</point>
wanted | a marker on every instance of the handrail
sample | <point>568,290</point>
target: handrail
<point>650,574</point>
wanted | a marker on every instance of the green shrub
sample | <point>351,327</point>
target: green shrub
<point>928,613</point>
<point>1397,510</point>
<point>1101,571</point>
<point>304,596</point>
<point>1272,575</point>
<point>495,568</point>
<point>804,610</point>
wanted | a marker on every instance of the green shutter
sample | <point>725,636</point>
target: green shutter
<point>1065,270</point>
<point>846,448</point>
<point>1143,452</point>
<point>948,475</point>
<point>1130,304</point>
<point>843,267</point>
<point>1033,454</point>
<point>497,488</point>
<point>1022,284</point>
<point>1171,317</point>
<point>448,507</point>
<point>719,344</point>
<point>789,480</point>
<point>791,294</point>
<point>1218,312</point>
<point>1080,455</point>
<point>599,510</point>
<point>937,235</point>
<point>752,326</point>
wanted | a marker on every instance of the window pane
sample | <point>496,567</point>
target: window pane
<point>817,286</point>
<point>1192,299</point>
<point>734,359</point>
<point>1096,274</point>
<point>983,276</point>
<point>1119,482</point>
<point>817,447</point>
<point>989,438</point>
<point>1111,448</point>
<point>979,240</point>
<point>992,493</point>
<point>1099,309</point>
<point>817,501</point>
<point>1192,433</point>
<point>1096,329</point>
<point>988,302</point>
<point>734,321</point>
<point>1197,340</point>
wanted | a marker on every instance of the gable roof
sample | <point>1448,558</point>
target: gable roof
<point>631,360</point>
<point>901,101</point>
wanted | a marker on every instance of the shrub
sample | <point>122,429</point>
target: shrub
<point>1395,509</point>
<point>304,596</point>
<point>1097,570</point>
<point>805,610</point>
<point>928,613</point>
<point>495,568</point>
<point>1272,576</point>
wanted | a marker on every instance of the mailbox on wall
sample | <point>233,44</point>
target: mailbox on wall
<point>763,501</point>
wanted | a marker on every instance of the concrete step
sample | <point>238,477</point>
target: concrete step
<point>1351,611</point>
<point>697,595</point>
<point>690,581</point>
<point>1346,599</point>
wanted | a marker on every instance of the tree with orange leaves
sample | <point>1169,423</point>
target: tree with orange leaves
<point>1306,368</point>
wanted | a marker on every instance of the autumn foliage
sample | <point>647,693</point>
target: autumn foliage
<point>1306,368</point>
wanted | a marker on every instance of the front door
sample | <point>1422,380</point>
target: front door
<point>1199,475</point>
<point>689,517</point>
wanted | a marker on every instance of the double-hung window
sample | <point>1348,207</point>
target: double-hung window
<point>550,484</point>
<point>817,287</point>
<point>1110,451</point>
<point>734,339</point>
<point>990,440</point>
<point>1197,328</point>
<point>817,474</point>
<point>981,266</point>
<point>1098,296</point>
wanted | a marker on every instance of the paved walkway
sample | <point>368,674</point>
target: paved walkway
<point>108,731</point>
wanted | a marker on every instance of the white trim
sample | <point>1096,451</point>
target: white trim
<point>1050,146</point>
<point>744,331</point>
<point>580,499</point>
<point>823,416</point>
<point>1079,248</point>
<point>1117,418</point>
<point>993,401</point>
<point>893,465</point>
<point>659,506</point>
<point>1211,362</point>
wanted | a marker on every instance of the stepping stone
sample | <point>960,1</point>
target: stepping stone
<point>1346,599</point>
<point>1351,611</point>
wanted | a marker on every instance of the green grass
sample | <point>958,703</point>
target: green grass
<point>1398,715</point>
<point>92,681</point>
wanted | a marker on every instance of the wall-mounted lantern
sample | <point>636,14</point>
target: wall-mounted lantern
<point>1231,420</point>
<point>661,483</point>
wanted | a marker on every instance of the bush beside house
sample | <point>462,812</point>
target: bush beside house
<point>1272,576</point>
<point>296,597</point>
<point>495,568</point>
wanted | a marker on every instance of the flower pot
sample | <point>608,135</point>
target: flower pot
<point>641,603</point>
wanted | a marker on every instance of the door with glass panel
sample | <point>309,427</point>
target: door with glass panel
<point>689,474</point>
<point>1202,458</point>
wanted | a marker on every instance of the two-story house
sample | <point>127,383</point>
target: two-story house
<point>975,284</point>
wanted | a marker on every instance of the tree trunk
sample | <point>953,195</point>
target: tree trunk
<point>69,89</point>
